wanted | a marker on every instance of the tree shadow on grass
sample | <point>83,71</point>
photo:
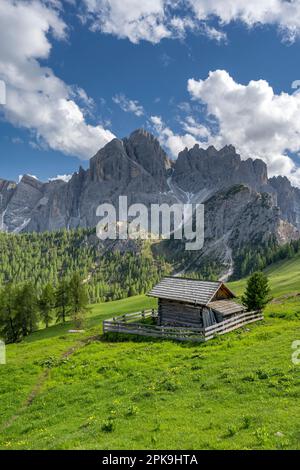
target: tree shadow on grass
<point>132,338</point>
<point>48,333</point>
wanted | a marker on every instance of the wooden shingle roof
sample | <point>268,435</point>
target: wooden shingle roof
<point>226,307</point>
<point>187,290</point>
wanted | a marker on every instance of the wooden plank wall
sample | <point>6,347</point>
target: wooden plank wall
<point>176,313</point>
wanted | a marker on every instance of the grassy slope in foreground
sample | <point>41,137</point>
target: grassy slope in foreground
<point>240,391</point>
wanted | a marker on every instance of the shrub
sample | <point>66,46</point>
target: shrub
<point>108,426</point>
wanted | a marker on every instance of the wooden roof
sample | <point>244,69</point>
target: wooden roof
<point>226,307</point>
<point>188,290</point>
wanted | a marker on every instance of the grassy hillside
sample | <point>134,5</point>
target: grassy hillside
<point>284,278</point>
<point>240,391</point>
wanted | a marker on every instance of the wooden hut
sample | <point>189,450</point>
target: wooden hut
<point>193,303</point>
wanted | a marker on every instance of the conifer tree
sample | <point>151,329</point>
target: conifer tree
<point>9,325</point>
<point>257,293</point>
<point>62,301</point>
<point>26,308</point>
<point>78,299</point>
<point>46,304</point>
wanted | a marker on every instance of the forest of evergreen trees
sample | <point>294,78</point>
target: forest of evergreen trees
<point>51,277</point>
<point>22,310</point>
<point>46,258</point>
<point>250,259</point>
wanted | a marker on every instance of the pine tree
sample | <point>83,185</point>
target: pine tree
<point>78,299</point>
<point>62,301</point>
<point>257,293</point>
<point>9,324</point>
<point>46,304</point>
<point>26,308</point>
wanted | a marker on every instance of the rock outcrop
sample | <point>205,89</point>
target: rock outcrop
<point>287,198</point>
<point>197,168</point>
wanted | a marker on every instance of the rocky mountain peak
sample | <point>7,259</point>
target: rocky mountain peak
<point>228,149</point>
<point>31,181</point>
<point>198,168</point>
<point>108,162</point>
<point>287,198</point>
<point>281,182</point>
<point>211,151</point>
<point>143,133</point>
<point>146,150</point>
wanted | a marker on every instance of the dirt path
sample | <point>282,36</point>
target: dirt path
<point>42,378</point>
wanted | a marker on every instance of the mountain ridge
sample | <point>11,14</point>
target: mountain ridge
<point>248,207</point>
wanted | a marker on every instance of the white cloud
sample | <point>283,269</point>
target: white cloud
<point>132,19</point>
<point>213,33</point>
<point>284,14</point>
<point>252,117</point>
<point>191,126</point>
<point>128,106</point>
<point>154,20</point>
<point>36,98</point>
<point>173,142</point>
<point>65,178</point>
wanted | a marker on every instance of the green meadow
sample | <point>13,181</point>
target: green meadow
<point>82,391</point>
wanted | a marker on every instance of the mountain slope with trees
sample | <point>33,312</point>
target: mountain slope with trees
<point>47,258</point>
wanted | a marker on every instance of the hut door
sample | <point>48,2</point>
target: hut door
<point>208,317</point>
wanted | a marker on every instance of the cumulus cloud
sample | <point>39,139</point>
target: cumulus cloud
<point>154,20</point>
<point>128,106</point>
<point>130,19</point>
<point>174,143</point>
<point>200,131</point>
<point>36,98</point>
<point>260,123</point>
<point>281,13</point>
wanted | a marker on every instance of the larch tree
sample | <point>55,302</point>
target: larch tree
<point>46,304</point>
<point>78,299</point>
<point>62,301</point>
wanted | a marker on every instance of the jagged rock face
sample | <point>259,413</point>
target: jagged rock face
<point>241,204</point>
<point>7,189</point>
<point>136,167</point>
<point>235,218</point>
<point>197,168</point>
<point>112,164</point>
<point>145,150</point>
<point>287,198</point>
<point>21,203</point>
<point>133,161</point>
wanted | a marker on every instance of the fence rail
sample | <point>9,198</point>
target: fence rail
<point>133,324</point>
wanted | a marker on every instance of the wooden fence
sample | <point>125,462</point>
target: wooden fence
<point>133,324</point>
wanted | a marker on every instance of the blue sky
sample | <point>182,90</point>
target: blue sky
<point>144,79</point>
